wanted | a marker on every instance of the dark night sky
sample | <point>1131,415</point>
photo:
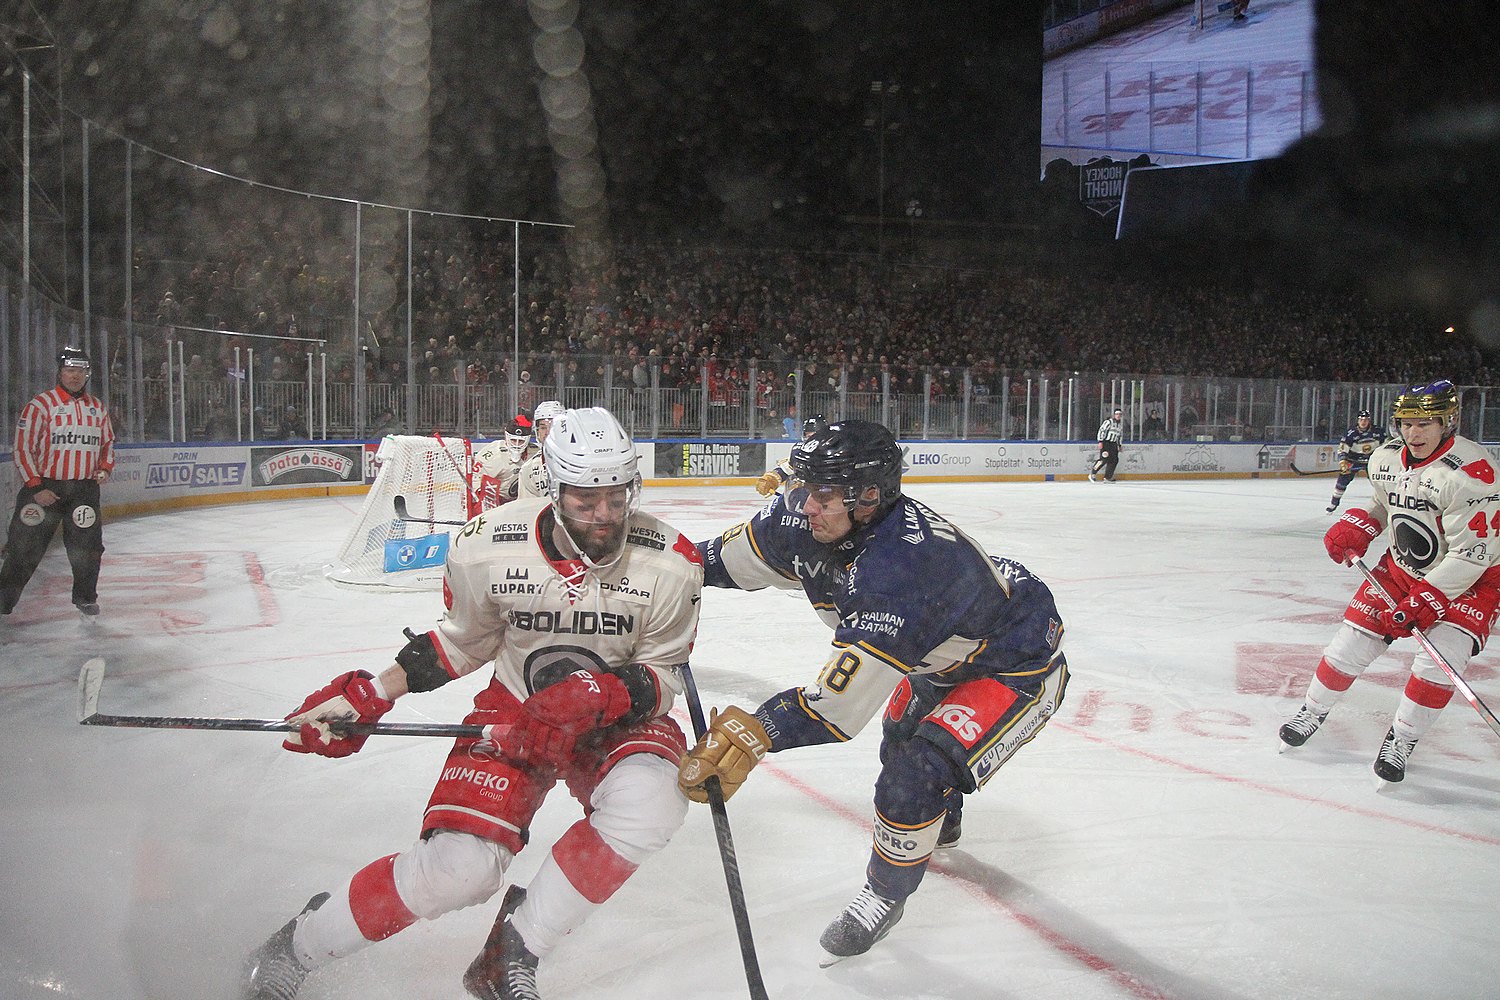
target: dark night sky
<point>709,114</point>
<point>748,121</point>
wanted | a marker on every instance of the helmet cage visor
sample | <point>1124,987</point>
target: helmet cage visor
<point>799,491</point>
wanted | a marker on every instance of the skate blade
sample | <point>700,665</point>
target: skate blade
<point>1382,785</point>
<point>829,958</point>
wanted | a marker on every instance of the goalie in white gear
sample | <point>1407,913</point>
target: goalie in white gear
<point>1436,492</point>
<point>586,608</point>
<point>497,466</point>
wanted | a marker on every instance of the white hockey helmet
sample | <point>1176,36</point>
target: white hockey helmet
<point>548,409</point>
<point>589,448</point>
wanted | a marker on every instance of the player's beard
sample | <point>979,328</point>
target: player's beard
<point>600,542</point>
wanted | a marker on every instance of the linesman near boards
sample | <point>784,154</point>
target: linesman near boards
<point>1110,433</point>
<point>64,451</point>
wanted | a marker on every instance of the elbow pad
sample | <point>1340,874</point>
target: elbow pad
<point>423,666</point>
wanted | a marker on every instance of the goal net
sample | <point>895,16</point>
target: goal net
<point>430,476</point>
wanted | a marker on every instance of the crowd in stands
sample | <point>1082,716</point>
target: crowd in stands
<point>679,310</point>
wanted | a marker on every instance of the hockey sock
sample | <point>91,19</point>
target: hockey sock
<point>637,808</point>
<point>1421,703</point>
<point>375,903</point>
<point>909,810</point>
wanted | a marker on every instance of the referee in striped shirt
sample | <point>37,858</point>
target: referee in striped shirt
<point>1110,433</point>
<point>65,450</point>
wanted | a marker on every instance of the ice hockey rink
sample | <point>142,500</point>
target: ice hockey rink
<point>1150,844</point>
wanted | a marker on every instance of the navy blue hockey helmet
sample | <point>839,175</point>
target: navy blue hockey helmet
<point>812,425</point>
<point>857,455</point>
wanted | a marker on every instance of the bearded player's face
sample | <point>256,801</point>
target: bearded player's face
<point>594,517</point>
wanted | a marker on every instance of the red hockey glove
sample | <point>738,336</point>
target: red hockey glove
<point>349,697</point>
<point>1351,535</point>
<point>580,702</point>
<point>1421,609</point>
<point>543,731</point>
<point>522,738</point>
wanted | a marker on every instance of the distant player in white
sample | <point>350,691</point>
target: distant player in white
<point>1437,494</point>
<point>586,607</point>
<point>531,477</point>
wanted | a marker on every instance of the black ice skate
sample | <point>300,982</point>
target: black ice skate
<point>273,971</point>
<point>1333,505</point>
<point>1295,731</point>
<point>504,969</point>
<point>868,918</point>
<point>953,822</point>
<point>1390,764</point>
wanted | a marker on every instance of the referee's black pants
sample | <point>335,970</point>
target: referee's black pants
<point>32,527</point>
<point>1108,460</point>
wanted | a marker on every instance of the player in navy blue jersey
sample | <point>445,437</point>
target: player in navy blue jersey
<point>1355,448</point>
<point>962,649</point>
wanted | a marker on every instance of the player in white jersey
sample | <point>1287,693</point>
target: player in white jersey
<point>1436,493</point>
<point>531,477</point>
<point>497,466</point>
<point>587,608</point>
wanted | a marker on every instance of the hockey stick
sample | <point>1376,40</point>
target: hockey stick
<point>403,514</point>
<point>726,851</point>
<point>91,679</point>
<point>1453,675</point>
<point>1319,472</point>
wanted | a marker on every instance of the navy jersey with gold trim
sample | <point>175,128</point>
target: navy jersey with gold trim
<point>909,594</point>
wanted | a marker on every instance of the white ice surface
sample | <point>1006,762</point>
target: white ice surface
<point>1150,843</point>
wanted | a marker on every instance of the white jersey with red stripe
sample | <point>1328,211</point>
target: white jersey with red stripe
<point>539,619</point>
<point>62,436</point>
<point>1443,513</point>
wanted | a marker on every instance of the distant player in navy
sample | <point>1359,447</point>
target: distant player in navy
<point>1355,448</point>
<point>1111,431</point>
<point>1435,491</point>
<point>962,649</point>
<point>772,479</point>
<point>1241,7</point>
<point>64,451</point>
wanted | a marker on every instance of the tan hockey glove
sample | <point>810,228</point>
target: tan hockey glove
<point>734,743</point>
<point>768,483</point>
